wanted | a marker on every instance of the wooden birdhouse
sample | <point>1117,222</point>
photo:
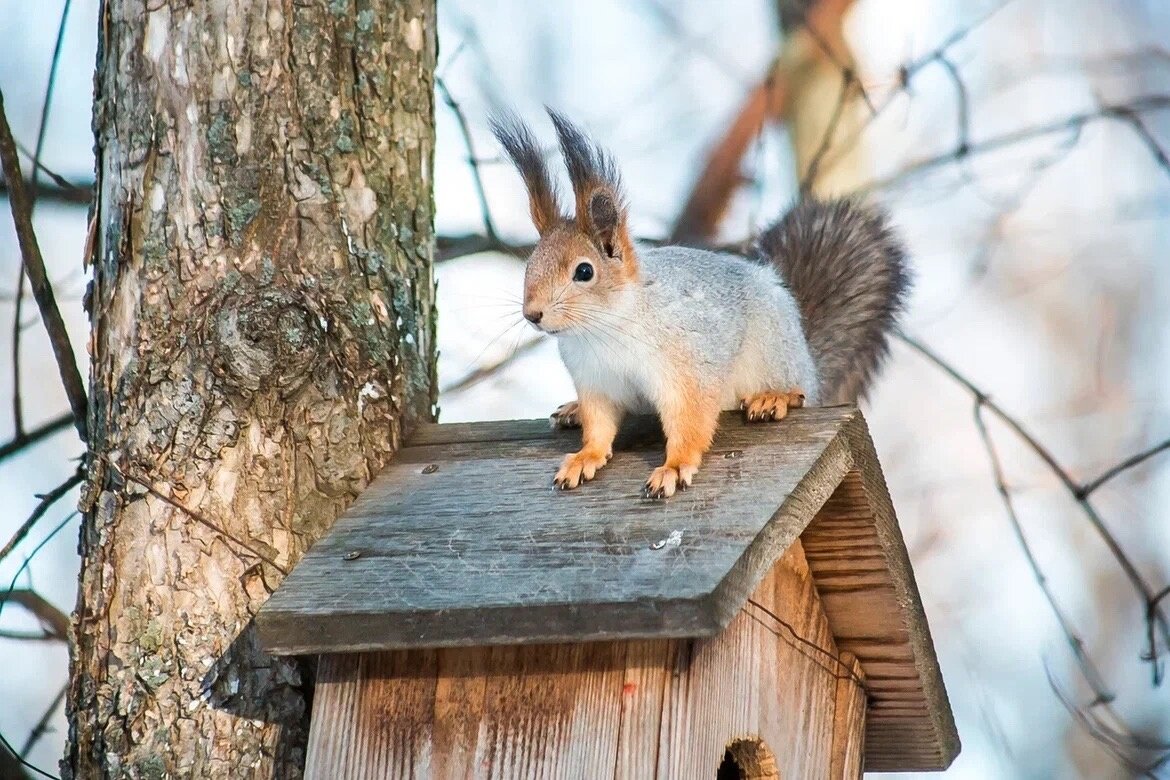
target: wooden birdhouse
<point>472,622</point>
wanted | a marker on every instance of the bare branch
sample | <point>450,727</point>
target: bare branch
<point>1089,670</point>
<point>1135,121</point>
<point>42,726</point>
<point>472,160</point>
<point>34,266</point>
<point>29,438</point>
<point>1117,740</point>
<point>197,517</point>
<point>1126,111</point>
<point>29,558</point>
<point>453,247</point>
<point>720,178</point>
<point>11,764</point>
<point>54,622</point>
<point>17,329</point>
<point>69,195</point>
<point>1133,460</point>
<point>487,371</point>
<point>46,502</point>
<point>1156,621</point>
<point>907,73</point>
<point>810,175</point>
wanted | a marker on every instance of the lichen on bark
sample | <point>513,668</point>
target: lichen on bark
<point>263,336</point>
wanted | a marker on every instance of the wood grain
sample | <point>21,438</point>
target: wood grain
<point>848,752</point>
<point>657,708</point>
<point>460,544</point>
<point>462,541</point>
<point>863,573</point>
<point>758,680</point>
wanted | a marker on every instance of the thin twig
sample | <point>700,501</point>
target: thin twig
<point>962,104</point>
<point>1133,460</point>
<point>34,266</point>
<point>1072,123</point>
<point>29,558</point>
<point>42,726</point>
<point>199,518</point>
<point>485,372</point>
<point>17,328</point>
<point>1139,127</point>
<point>46,502</point>
<point>449,248</point>
<point>907,73</point>
<point>810,175</point>
<point>472,160</point>
<point>1089,670</point>
<point>1119,745</point>
<point>1156,621</point>
<point>30,438</point>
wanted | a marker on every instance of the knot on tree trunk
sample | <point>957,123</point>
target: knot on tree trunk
<point>266,340</point>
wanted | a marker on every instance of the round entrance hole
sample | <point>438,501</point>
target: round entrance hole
<point>748,759</point>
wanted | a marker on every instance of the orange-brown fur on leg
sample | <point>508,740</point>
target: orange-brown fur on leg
<point>566,416</point>
<point>689,421</point>
<point>599,424</point>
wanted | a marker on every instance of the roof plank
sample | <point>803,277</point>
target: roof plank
<point>462,540</point>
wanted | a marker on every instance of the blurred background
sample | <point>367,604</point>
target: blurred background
<point>1023,419</point>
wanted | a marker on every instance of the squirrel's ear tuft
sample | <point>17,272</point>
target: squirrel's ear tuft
<point>521,146</point>
<point>601,209</point>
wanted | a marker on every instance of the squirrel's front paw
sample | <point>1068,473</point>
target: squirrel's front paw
<point>771,405</point>
<point>566,416</point>
<point>579,467</point>
<point>665,479</point>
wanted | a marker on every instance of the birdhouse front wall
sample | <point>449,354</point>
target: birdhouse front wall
<point>772,686</point>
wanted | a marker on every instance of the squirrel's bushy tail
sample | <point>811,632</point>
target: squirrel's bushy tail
<point>848,273</point>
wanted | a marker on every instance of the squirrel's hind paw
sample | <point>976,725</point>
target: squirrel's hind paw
<point>578,467</point>
<point>566,416</point>
<point>767,406</point>
<point>664,480</point>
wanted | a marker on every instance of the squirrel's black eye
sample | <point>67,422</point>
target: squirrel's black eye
<point>583,273</point>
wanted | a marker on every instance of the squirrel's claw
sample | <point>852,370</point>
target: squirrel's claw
<point>769,406</point>
<point>566,416</point>
<point>578,467</point>
<point>665,480</point>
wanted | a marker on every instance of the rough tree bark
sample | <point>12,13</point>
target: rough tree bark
<point>263,334</point>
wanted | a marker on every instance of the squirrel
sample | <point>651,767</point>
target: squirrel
<point>686,332</point>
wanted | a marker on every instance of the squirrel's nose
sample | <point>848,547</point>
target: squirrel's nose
<point>533,316</point>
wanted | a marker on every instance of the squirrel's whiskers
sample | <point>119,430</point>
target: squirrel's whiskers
<point>686,333</point>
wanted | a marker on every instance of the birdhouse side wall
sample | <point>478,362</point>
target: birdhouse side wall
<point>630,709</point>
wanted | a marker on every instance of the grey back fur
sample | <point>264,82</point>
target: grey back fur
<point>848,272</point>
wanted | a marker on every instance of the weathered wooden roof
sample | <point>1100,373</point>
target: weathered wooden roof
<point>463,541</point>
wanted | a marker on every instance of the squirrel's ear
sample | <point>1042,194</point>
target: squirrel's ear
<point>601,210</point>
<point>605,222</point>
<point>521,146</point>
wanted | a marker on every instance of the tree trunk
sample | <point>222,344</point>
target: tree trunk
<point>263,334</point>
